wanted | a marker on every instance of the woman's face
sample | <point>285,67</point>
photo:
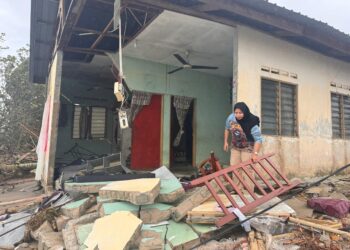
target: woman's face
<point>238,114</point>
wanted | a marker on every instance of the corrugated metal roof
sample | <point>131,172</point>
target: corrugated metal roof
<point>42,34</point>
<point>44,13</point>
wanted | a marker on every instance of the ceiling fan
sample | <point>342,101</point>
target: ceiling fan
<point>187,65</point>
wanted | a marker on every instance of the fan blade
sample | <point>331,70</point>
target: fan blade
<point>203,67</point>
<point>180,58</point>
<point>175,70</point>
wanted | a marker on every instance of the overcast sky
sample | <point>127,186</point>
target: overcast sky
<point>15,17</point>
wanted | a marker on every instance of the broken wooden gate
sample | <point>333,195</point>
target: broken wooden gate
<point>230,178</point>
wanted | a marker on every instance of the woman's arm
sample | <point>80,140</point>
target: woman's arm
<point>226,133</point>
<point>256,133</point>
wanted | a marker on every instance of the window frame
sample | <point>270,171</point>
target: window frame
<point>90,108</point>
<point>341,116</point>
<point>296,107</point>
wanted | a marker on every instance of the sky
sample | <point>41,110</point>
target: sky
<point>15,17</point>
<point>15,23</point>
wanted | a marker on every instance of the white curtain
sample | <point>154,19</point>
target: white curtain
<point>182,105</point>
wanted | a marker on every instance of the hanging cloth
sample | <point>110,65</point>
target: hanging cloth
<point>182,105</point>
<point>138,100</point>
<point>42,145</point>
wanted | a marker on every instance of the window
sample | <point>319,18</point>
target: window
<point>278,108</point>
<point>340,116</point>
<point>89,122</point>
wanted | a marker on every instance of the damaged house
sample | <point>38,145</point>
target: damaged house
<point>184,64</point>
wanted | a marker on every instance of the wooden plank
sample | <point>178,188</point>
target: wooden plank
<point>318,226</point>
<point>26,200</point>
<point>54,91</point>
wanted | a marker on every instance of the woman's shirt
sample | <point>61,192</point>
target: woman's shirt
<point>239,139</point>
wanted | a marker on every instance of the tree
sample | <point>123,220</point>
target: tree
<point>21,103</point>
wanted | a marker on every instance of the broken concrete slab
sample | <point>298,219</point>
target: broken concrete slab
<point>86,188</point>
<point>322,190</point>
<point>45,227</point>
<point>151,243</point>
<point>110,208</point>
<point>77,208</point>
<point>205,232</point>
<point>209,211</point>
<point>271,225</point>
<point>82,232</point>
<point>115,231</point>
<point>50,240</point>
<point>27,246</point>
<point>155,213</point>
<point>61,222</point>
<point>170,187</point>
<point>178,235</point>
<point>69,236</point>
<point>149,214</point>
<point>198,197</point>
<point>138,192</point>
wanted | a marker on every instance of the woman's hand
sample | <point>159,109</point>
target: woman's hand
<point>226,146</point>
<point>254,157</point>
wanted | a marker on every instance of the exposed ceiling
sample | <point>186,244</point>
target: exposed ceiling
<point>206,42</point>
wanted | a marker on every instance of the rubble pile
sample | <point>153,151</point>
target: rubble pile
<point>157,213</point>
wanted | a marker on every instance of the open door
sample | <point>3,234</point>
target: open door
<point>146,136</point>
<point>181,156</point>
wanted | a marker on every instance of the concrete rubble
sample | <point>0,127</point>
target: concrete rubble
<point>157,213</point>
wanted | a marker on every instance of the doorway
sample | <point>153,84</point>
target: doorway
<point>181,155</point>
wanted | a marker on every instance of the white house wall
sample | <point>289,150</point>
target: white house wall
<point>313,151</point>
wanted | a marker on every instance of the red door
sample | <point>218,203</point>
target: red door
<point>146,131</point>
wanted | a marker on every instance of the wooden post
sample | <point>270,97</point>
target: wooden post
<point>235,66</point>
<point>54,91</point>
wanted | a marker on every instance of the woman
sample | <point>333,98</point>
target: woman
<point>246,135</point>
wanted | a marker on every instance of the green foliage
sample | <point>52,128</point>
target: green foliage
<point>21,103</point>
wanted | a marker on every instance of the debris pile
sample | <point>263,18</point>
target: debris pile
<point>157,213</point>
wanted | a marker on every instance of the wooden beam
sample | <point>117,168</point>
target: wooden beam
<point>88,51</point>
<point>72,18</point>
<point>100,37</point>
<point>318,226</point>
<point>97,32</point>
